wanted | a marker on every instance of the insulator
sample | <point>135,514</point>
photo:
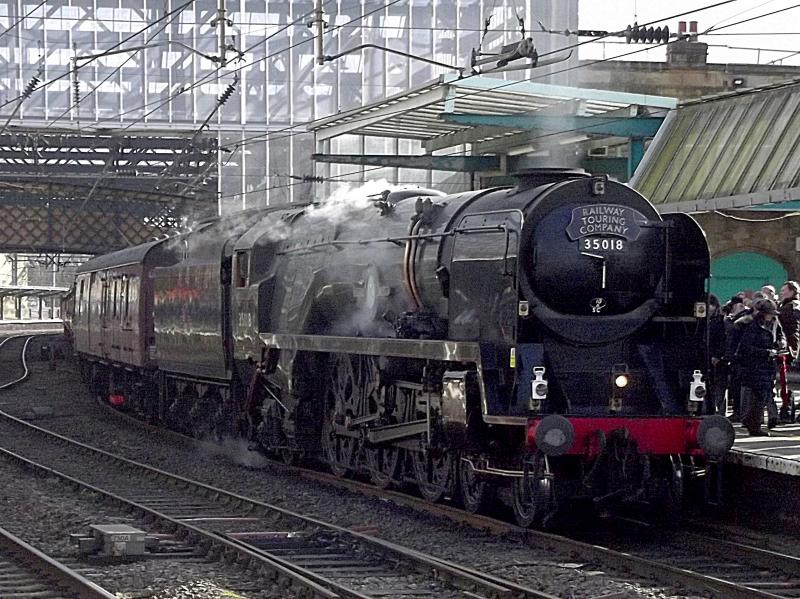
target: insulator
<point>31,86</point>
<point>657,35</point>
<point>628,34</point>
<point>648,35</point>
<point>226,94</point>
<point>665,34</point>
<point>76,91</point>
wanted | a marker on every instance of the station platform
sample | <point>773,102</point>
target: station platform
<point>20,327</point>
<point>779,453</point>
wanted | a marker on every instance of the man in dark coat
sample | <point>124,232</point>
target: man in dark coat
<point>733,332</point>
<point>789,316</point>
<point>760,341</point>
<point>715,401</point>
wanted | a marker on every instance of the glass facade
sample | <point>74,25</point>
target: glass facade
<point>278,85</point>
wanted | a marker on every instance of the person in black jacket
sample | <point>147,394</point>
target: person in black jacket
<point>761,339</point>
<point>789,316</point>
<point>736,310</point>
<point>715,401</point>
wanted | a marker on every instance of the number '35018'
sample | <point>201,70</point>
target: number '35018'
<point>602,243</point>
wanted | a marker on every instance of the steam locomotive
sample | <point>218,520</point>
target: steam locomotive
<point>539,343</point>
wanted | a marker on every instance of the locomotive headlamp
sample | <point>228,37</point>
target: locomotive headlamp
<point>620,380</point>
<point>538,389</point>
<point>697,393</point>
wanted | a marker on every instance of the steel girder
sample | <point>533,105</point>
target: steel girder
<point>66,192</point>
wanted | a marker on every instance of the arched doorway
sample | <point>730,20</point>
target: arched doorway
<point>744,270</point>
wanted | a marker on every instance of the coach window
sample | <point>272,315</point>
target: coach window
<point>104,304</point>
<point>242,268</point>
<point>133,299</point>
<point>123,300</point>
<point>79,299</point>
<point>114,301</point>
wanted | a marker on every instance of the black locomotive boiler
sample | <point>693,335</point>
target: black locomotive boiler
<point>542,340</point>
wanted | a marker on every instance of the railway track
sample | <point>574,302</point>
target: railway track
<point>703,563</point>
<point>13,361</point>
<point>27,573</point>
<point>707,562</point>
<point>306,555</point>
<point>303,552</point>
<point>326,560</point>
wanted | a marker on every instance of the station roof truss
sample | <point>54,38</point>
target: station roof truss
<point>736,150</point>
<point>496,115</point>
<point>97,192</point>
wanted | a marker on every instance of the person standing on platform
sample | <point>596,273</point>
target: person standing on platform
<point>789,316</point>
<point>715,401</point>
<point>768,291</point>
<point>761,339</point>
<point>736,309</point>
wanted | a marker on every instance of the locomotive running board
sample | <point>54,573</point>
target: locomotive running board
<point>448,351</point>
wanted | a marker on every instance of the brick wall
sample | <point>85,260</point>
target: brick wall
<point>773,238</point>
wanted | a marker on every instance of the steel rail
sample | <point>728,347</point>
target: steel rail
<point>460,577</point>
<point>610,558</point>
<point>214,542</point>
<point>25,370</point>
<point>49,569</point>
<point>607,557</point>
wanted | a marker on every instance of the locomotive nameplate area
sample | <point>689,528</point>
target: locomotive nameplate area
<point>605,220</point>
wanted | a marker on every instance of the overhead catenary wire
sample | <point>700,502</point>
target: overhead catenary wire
<point>755,220</point>
<point>16,23</point>
<point>80,98</point>
<point>372,169</point>
<point>307,40</point>
<point>205,78</point>
<point>106,52</point>
<point>482,91</point>
<point>513,82</point>
<point>749,19</point>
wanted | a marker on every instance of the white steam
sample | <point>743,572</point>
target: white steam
<point>348,201</point>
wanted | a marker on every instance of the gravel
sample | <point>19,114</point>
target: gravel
<point>44,512</point>
<point>73,412</point>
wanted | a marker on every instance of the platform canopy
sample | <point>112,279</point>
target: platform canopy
<point>735,150</point>
<point>31,291</point>
<point>499,117</point>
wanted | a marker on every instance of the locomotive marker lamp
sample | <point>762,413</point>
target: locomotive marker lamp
<point>538,389</point>
<point>620,380</point>
<point>599,185</point>
<point>697,393</point>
